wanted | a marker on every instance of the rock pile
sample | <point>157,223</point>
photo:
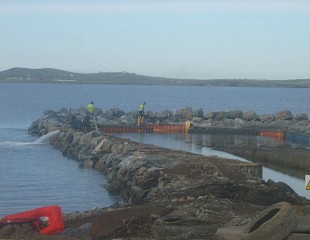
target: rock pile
<point>177,189</point>
<point>200,122</point>
<point>282,120</point>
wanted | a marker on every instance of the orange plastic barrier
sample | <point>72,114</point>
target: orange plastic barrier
<point>55,220</point>
<point>273,134</point>
<point>149,128</point>
<point>167,128</point>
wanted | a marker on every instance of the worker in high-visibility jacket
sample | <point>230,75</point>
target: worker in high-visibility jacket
<point>91,108</point>
<point>89,118</point>
<point>141,114</point>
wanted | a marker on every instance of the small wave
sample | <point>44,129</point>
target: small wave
<point>45,138</point>
<point>15,144</point>
<point>42,140</point>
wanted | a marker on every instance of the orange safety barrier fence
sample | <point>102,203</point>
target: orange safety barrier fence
<point>150,128</point>
<point>273,134</point>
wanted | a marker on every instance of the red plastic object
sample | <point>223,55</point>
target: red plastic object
<point>56,223</point>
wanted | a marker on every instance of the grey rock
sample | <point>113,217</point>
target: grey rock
<point>198,113</point>
<point>301,117</point>
<point>82,232</point>
<point>284,115</point>
<point>220,116</point>
<point>210,115</point>
<point>234,114</point>
<point>187,113</point>
<point>266,117</point>
<point>249,116</point>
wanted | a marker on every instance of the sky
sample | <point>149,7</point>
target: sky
<point>192,39</point>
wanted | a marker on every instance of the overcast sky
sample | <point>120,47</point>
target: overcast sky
<point>256,39</point>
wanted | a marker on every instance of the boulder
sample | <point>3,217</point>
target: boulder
<point>283,124</point>
<point>266,117</point>
<point>101,163</point>
<point>116,112</point>
<point>238,122</point>
<point>198,113</point>
<point>284,115</point>
<point>298,126</point>
<point>105,121</point>
<point>197,120</point>
<point>91,139</point>
<point>108,114</point>
<point>210,115</point>
<point>187,113</point>
<point>301,117</point>
<point>88,163</point>
<point>132,162</point>
<point>162,115</point>
<point>34,127</point>
<point>127,120</point>
<point>106,145</point>
<point>220,116</point>
<point>249,116</point>
<point>227,122</point>
<point>234,114</point>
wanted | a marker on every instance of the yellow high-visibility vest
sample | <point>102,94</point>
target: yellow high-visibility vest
<point>90,108</point>
<point>141,107</point>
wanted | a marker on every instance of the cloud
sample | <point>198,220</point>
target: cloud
<point>145,6</point>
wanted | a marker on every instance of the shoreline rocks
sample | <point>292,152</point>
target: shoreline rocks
<point>226,123</point>
<point>157,184</point>
<point>282,120</point>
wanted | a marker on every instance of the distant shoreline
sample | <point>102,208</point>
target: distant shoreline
<point>56,76</point>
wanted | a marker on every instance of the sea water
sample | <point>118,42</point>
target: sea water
<point>33,174</point>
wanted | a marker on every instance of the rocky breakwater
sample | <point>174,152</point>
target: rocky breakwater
<point>225,122</point>
<point>235,122</point>
<point>249,122</point>
<point>292,153</point>
<point>167,194</point>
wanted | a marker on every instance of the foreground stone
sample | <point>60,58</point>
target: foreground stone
<point>167,194</point>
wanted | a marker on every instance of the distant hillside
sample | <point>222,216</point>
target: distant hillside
<point>49,75</point>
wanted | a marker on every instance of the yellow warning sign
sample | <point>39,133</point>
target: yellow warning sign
<point>307,182</point>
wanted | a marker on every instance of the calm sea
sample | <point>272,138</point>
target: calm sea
<point>33,174</point>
